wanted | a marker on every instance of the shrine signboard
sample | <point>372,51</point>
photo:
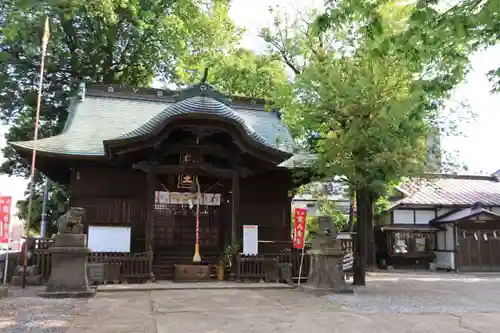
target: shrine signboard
<point>183,180</point>
<point>300,228</point>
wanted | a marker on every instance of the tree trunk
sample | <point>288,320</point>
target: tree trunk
<point>352,207</point>
<point>364,245</point>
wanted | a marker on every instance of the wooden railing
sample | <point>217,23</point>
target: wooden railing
<point>133,267</point>
<point>261,266</point>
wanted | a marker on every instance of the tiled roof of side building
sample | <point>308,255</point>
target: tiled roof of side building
<point>451,190</point>
<point>112,114</point>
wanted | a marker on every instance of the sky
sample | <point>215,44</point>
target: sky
<point>477,150</point>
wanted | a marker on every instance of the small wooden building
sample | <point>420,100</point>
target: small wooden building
<point>451,220</point>
<point>133,156</point>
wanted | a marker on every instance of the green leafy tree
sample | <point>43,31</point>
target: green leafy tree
<point>242,73</point>
<point>111,42</point>
<point>330,208</point>
<point>367,94</point>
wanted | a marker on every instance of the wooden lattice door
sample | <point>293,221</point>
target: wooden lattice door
<point>175,227</point>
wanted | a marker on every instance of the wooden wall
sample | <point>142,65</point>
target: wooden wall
<point>266,203</point>
<point>114,196</point>
<point>111,197</point>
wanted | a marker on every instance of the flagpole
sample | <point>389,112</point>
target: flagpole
<point>301,261</point>
<point>45,41</point>
<point>6,268</point>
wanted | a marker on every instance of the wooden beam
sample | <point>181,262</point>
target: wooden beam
<point>200,168</point>
<point>215,150</point>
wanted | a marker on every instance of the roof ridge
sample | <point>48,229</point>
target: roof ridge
<point>461,176</point>
<point>164,95</point>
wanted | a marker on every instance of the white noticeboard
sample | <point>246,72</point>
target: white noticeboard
<point>250,240</point>
<point>109,239</point>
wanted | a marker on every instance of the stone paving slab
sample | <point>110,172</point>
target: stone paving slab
<point>169,285</point>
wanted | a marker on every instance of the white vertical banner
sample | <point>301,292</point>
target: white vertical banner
<point>250,240</point>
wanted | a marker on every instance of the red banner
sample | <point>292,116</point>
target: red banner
<point>5,203</point>
<point>300,228</point>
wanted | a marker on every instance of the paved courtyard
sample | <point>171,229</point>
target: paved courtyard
<point>402,303</point>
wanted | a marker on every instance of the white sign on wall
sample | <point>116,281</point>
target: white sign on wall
<point>109,239</point>
<point>250,240</point>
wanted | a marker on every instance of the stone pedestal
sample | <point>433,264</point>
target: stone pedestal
<point>326,274</point>
<point>68,275</point>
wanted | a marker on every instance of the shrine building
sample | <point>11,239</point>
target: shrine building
<point>136,158</point>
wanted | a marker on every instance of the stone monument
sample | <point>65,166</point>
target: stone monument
<point>69,256</point>
<point>326,275</point>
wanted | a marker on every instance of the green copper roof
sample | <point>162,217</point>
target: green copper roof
<point>202,106</point>
<point>122,112</point>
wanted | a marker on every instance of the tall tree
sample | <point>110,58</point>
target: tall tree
<point>111,42</point>
<point>368,89</point>
<point>242,73</point>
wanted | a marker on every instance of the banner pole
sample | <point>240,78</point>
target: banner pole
<point>6,268</point>
<point>301,263</point>
<point>45,39</point>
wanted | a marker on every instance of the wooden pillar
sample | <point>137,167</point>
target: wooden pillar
<point>235,208</point>
<point>235,202</point>
<point>150,198</point>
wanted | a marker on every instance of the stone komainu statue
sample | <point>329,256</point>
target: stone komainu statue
<point>71,221</point>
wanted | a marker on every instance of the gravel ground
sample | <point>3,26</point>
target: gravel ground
<point>425,294</point>
<point>403,303</point>
<point>24,312</point>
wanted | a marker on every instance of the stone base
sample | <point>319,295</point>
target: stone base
<point>31,280</point>
<point>68,275</point>
<point>68,294</point>
<point>326,275</point>
<point>3,291</point>
<point>345,289</point>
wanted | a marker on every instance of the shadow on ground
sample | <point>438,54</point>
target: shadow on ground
<point>23,311</point>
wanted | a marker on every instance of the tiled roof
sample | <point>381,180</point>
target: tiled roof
<point>451,190</point>
<point>299,160</point>
<point>335,190</point>
<point>109,116</point>
<point>464,214</point>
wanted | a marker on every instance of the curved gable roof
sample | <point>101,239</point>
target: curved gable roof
<point>111,112</point>
<point>199,105</point>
